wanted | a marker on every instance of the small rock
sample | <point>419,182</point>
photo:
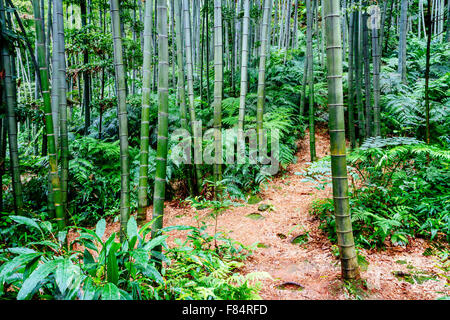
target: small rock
<point>290,286</point>
<point>255,216</point>
<point>254,199</point>
<point>263,207</point>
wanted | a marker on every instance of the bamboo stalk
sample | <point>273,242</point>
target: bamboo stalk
<point>163,123</point>
<point>351,93</point>
<point>55,189</point>
<point>262,75</point>
<point>244,65</point>
<point>122,117</point>
<point>145,116</point>
<point>11,102</point>
<point>218,87</point>
<point>349,264</point>
<point>312,134</point>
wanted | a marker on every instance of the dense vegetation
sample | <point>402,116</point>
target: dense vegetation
<point>94,92</point>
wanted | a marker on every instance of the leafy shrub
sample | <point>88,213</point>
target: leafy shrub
<point>193,269</point>
<point>403,192</point>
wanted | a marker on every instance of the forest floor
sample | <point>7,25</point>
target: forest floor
<point>311,265</point>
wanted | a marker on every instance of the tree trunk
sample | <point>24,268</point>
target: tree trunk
<point>304,83</point>
<point>62,103</point>
<point>244,65</point>
<point>429,24</point>
<point>181,86</point>
<point>312,133</point>
<point>349,264</point>
<point>388,24</point>
<point>376,82</point>
<point>262,75</point>
<point>358,75</point>
<point>55,187</point>
<point>447,37</point>
<point>163,106</point>
<point>3,134</point>
<point>218,85</point>
<point>367,98</point>
<point>55,76</point>
<point>402,40</point>
<point>122,116</point>
<point>190,80</point>
<point>208,91</point>
<point>145,116</point>
<point>351,93</point>
<point>86,80</point>
<point>295,33</point>
<point>11,102</point>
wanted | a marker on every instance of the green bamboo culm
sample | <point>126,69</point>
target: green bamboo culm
<point>10,88</point>
<point>190,83</point>
<point>349,264</point>
<point>218,86</point>
<point>358,73</point>
<point>54,96</point>
<point>62,105</point>
<point>55,75</point>
<point>376,56</point>
<point>2,146</point>
<point>312,132</point>
<point>181,86</point>
<point>262,74</point>
<point>403,26</point>
<point>244,76</point>
<point>244,65</point>
<point>145,116</point>
<point>122,116</point>
<point>367,94</point>
<point>181,82</point>
<point>55,188</point>
<point>163,122</point>
<point>303,92</point>
<point>351,95</point>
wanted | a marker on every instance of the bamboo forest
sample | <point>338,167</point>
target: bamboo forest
<point>224,150</point>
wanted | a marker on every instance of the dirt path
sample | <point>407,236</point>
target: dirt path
<point>312,265</point>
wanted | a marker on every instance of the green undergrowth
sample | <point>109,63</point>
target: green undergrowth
<point>400,190</point>
<point>42,264</point>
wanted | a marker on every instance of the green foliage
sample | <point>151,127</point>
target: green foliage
<point>403,192</point>
<point>403,106</point>
<point>94,179</point>
<point>91,268</point>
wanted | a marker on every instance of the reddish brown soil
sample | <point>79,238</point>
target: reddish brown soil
<point>312,265</point>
